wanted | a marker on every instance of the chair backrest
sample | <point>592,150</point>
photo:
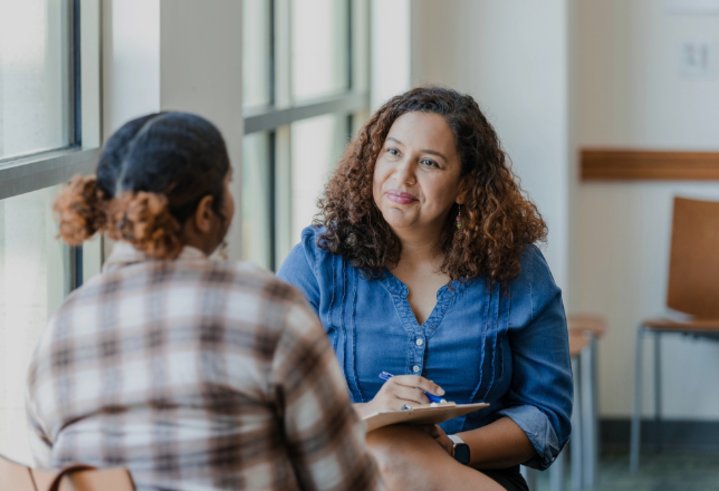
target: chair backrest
<point>694,261</point>
<point>18,477</point>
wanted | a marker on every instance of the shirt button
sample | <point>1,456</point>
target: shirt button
<point>419,341</point>
<point>415,368</point>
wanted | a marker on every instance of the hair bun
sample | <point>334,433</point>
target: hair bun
<point>80,208</point>
<point>144,220</point>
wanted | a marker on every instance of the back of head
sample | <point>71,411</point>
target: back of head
<point>152,173</point>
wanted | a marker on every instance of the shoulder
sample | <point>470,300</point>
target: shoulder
<point>535,284</point>
<point>533,265</point>
<point>308,254</point>
<point>213,282</point>
<point>245,284</point>
<point>311,242</point>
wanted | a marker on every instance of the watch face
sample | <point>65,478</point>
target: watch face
<point>461,453</point>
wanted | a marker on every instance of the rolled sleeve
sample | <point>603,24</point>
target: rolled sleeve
<point>535,424</point>
<point>541,393</point>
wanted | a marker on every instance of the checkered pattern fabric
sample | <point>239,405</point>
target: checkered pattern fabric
<point>195,374</point>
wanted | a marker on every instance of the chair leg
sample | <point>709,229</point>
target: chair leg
<point>530,475</point>
<point>658,390</point>
<point>575,444</point>
<point>637,409</point>
<point>556,472</point>
<point>595,409</point>
<point>588,404</point>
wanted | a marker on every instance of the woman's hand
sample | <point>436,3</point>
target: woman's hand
<point>399,392</point>
<point>436,432</point>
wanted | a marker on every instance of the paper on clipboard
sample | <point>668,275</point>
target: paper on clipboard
<point>423,414</point>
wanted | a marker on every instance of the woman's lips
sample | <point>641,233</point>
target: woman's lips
<point>400,197</point>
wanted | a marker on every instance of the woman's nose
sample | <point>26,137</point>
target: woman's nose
<point>404,172</point>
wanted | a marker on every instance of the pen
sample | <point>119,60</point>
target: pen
<point>432,398</point>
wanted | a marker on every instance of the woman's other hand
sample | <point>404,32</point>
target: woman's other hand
<point>436,432</point>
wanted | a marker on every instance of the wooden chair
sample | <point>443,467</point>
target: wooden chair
<point>693,290</point>
<point>592,327</point>
<point>18,477</point>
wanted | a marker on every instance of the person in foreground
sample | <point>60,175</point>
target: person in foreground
<point>422,264</point>
<point>194,373</point>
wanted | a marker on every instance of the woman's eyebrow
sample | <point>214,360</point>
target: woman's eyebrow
<point>423,150</point>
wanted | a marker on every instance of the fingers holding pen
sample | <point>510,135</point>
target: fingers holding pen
<point>410,390</point>
<point>407,394</point>
<point>420,383</point>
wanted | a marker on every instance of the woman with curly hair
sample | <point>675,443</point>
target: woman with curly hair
<point>422,263</point>
<point>194,373</point>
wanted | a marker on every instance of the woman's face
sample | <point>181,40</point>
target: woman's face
<point>417,174</point>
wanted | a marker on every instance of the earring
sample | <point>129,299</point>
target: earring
<point>458,219</point>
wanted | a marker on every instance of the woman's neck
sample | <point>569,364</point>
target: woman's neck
<point>420,252</point>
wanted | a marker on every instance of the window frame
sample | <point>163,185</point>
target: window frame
<point>35,171</point>
<point>276,118</point>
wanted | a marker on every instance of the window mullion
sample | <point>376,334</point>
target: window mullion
<point>282,40</point>
<point>282,167</point>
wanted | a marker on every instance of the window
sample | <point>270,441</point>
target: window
<point>49,130</point>
<point>34,77</point>
<point>305,84</point>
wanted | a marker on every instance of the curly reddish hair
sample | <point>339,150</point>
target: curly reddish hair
<point>77,207</point>
<point>497,221</point>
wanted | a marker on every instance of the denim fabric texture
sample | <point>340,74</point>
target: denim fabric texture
<point>507,346</point>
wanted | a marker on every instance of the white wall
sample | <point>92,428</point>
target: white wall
<point>390,48</point>
<point>512,57</point>
<point>131,61</point>
<point>176,55</point>
<point>629,90</point>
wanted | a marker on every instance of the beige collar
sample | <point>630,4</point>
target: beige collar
<point>124,254</point>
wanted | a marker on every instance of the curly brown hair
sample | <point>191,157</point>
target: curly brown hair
<point>498,221</point>
<point>152,174</point>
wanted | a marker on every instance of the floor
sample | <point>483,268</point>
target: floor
<point>666,471</point>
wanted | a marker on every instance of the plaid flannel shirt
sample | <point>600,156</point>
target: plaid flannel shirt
<point>195,374</point>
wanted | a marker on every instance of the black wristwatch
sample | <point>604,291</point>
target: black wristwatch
<point>460,450</point>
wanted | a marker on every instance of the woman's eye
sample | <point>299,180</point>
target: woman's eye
<point>429,163</point>
<point>393,151</point>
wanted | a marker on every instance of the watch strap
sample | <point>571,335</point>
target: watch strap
<point>460,449</point>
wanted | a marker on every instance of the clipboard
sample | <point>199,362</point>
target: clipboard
<point>422,414</point>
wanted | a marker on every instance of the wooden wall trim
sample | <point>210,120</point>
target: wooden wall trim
<point>626,165</point>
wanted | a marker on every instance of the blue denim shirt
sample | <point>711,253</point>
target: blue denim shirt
<point>508,347</point>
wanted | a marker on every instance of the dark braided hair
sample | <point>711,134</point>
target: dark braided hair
<point>151,176</point>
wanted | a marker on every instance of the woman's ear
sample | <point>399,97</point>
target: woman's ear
<point>461,196</point>
<point>203,217</point>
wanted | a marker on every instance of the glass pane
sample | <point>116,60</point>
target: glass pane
<point>32,269</point>
<point>256,53</point>
<point>34,76</point>
<point>317,144</point>
<point>256,199</point>
<point>320,47</point>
